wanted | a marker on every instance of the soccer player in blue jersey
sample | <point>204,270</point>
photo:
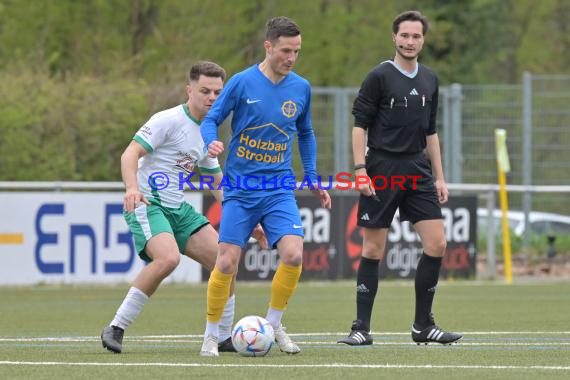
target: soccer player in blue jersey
<point>270,103</point>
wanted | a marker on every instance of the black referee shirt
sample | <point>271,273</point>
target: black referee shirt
<point>398,111</point>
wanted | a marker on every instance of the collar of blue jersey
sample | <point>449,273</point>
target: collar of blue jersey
<point>258,70</point>
<point>409,75</point>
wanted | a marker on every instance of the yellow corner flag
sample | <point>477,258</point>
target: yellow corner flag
<point>503,167</point>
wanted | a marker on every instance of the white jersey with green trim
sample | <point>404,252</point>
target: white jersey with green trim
<point>174,149</point>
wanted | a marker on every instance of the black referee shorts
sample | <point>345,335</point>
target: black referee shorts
<point>402,181</point>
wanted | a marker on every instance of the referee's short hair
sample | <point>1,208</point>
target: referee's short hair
<point>206,68</point>
<point>410,16</point>
<point>281,27</point>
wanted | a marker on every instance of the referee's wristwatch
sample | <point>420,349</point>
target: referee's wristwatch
<point>359,166</point>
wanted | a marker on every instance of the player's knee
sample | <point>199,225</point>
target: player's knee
<point>373,250</point>
<point>437,247</point>
<point>292,257</point>
<point>294,261</point>
<point>225,266</point>
<point>168,263</point>
<point>442,245</point>
<point>227,263</point>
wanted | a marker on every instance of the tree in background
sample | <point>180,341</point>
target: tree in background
<point>77,78</point>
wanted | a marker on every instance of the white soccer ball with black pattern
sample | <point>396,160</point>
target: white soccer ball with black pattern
<point>253,336</point>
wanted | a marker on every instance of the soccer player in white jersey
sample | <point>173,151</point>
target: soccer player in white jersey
<point>162,223</point>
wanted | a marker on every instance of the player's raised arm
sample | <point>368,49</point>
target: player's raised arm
<point>215,148</point>
<point>220,110</point>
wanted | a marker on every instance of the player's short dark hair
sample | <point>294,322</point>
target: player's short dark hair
<point>281,27</point>
<point>206,68</point>
<point>410,16</point>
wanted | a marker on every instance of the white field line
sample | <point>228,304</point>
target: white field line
<point>325,343</point>
<point>309,334</point>
<point>198,339</point>
<point>462,332</point>
<point>261,365</point>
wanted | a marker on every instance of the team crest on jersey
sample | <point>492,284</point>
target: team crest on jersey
<point>186,163</point>
<point>289,108</point>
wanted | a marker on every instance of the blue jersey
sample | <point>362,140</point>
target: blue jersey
<point>265,118</point>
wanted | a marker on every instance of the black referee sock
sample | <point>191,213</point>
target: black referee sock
<point>366,288</point>
<point>427,275</point>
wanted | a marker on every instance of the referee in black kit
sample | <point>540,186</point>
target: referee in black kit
<point>397,106</point>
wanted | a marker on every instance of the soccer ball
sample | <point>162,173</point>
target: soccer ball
<point>253,336</point>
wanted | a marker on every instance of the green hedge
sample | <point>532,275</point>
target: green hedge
<point>66,129</point>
